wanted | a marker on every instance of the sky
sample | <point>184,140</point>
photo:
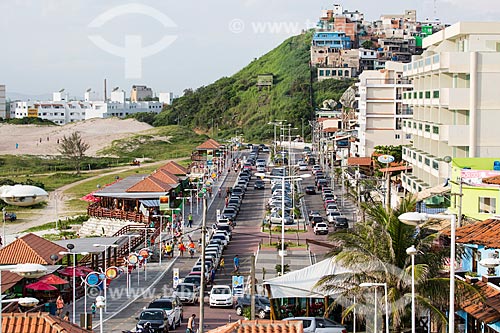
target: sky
<point>169,45</point>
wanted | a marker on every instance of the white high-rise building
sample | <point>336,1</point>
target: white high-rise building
<point>3,106</point>
<point>456,109</point>
<point>380,109</point>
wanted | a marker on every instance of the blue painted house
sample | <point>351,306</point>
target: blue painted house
<point>481,240</point>
<point>333,39</point>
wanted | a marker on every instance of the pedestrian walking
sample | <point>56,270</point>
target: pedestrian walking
<point>221,264</point>
<point>190,324</point>
<point>59,305</point>
<point>191,247</point>
<point>199,244</point>
<point>219,192</point>
<point>169,250</point>
<point>212,276</point>
<point>236,262</point>
<point>190,220</point>
<point>93,308</point>
<point>182,248</point>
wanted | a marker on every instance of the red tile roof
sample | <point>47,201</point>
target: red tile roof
<point>209,144</point>
<point>484,306</point>
<point>364,161</point>
<point>38,322</point>
<point>165,176</point>
<point>260,326</point>
<point>495,180</point>
<point>150,184</point>
<point>485,233</point>
<point>31,249</point>
<point>175,168</point>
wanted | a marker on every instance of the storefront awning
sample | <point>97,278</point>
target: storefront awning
<point>150,203</point>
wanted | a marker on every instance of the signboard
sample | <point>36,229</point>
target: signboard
<point>238,285</point>
<point>133,259</point>
<point>164,202</point>
<point>475,177</point>
<point>92,279</point>
<point>32,113</point>
<point>176,277</point>
<point>385,159</point>
<point>111,273</point>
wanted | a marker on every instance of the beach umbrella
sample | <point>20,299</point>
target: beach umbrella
<point>53,279</point>
<point>41,286</point>
<point>68,271</point>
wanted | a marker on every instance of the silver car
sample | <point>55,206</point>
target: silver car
<point>187,293</point>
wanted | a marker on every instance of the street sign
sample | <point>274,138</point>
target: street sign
<point>133,259</point>
<point>176,277</point>
<point>92,279</point>
<point>111,273</point>
<point>238,285</point>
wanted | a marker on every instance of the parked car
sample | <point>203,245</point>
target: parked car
<point>156,317</point>
<point>321,228</point>
<point>275,218</point>
<point>187,293</point>
<point>315,169</point>
<point>316,219</point>
<point>302,166</point>
<point>221,295</point>
<point>310,190</point>
<point>194,279</point>
<point>331,215</point>
<point>173,308</point>
<point>262,305</point>
<point>319,325</point>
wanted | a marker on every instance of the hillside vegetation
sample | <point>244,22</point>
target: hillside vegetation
<point>236,105</point>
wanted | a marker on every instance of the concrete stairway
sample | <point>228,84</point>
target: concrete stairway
<point>103,226</point>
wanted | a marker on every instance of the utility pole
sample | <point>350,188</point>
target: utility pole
<point>203,241</point>
<point>252,287</point>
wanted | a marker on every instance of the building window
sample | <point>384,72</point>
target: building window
<point>420,158</point>
<point>435,94</point>
<point>420,126</point>
<point>404,123</point>
<point>415,94</point>
<point>420,94</point>
<point>435,165</point>
<point>427,94</point>
<point>321,72</point>
<point>435,129</point>
<point>427,127</point>
<point>427,161</point>
<point>397,136</point>
<point>408,136</point>
<point>327,72</point>
<point>414,155</point>
<point>487,205</point>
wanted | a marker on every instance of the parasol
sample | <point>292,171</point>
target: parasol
<point>41,286</point>
<point>68,271</point>
<point>53,279</point>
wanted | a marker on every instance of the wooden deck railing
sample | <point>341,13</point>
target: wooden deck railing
<point>95,211</point>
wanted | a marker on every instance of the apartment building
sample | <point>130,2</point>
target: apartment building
<point>3,106</point>
<point>61,111</point>
<point>380,110</point>
<point>456,110</point>
<point>140,93</point>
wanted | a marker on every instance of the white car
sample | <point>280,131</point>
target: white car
<point>321,229</point>
<point>302,166</point>
<point>221,295</point>
<point>331,215</point>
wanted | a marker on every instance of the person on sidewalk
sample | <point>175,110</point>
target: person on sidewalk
<point>93,309</point>
<point>59,305</point>
<point>190,220</point>
<point>182,248</point>
<point>190,324</point>
<point>236,262</point>
<point>191,247</point>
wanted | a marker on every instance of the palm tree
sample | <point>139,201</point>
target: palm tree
<point>375,251</point>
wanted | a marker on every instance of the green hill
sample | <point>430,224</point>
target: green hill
<point>235,104</point>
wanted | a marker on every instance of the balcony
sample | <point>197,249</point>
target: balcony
<point>453,98</point>
<point>455,135</point>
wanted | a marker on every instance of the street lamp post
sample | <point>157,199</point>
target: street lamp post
<point>70,252</point>
<point>100,303</point>
<point>106,247</point>
<point>283,179</point>
<point>375,284</point>
<point>129,251</point>
<point>415,218</point>
<point>412,251</point>
<point>25,270</point>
